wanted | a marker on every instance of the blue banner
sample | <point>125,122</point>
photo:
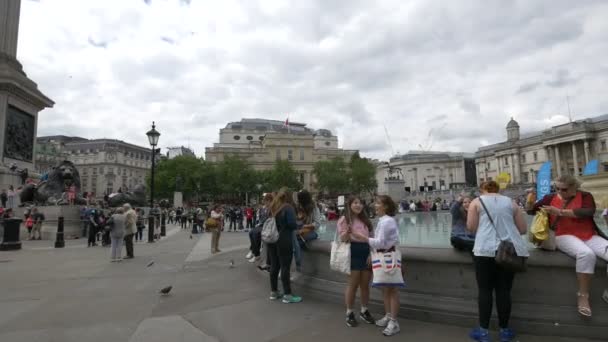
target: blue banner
<point>543,180</point>
<point>592,168</point>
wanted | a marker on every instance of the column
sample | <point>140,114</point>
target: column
<point>511,168</point>
<point>558,162</point>
<point>517,166</point>
<point>586,148</point>
<point>575,158</point>
<point>9,26</point>
<point>548,153</point>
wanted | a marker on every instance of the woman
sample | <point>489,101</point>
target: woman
<point>11,204</point>
<point>255,235</point>
<point>214,224</point>
<point>281,252</point>
<point>571,214</point>
<point>506,223</point>
<point>356,221</point>
<point>308,220</point>
<point>386,239</point>
<point>117,224</point>
<point>461,239</point>
<point>93,227</point>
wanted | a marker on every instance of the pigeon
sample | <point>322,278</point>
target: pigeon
<point>231,263</point>
<point>191,237</point>
<point>165,290</point>
<point>150,263</point>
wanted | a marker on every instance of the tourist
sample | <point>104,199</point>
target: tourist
<point>215,224</point>
<point>29,224</point>
<point>385,239</point>
<point>130,229</point>
<point>38,219</point>
<point>116,225</point>
<point>505,223</point>
<point>355,220</point>
<point>249,217</point>
<point>140,224</point>
<point>460,238</point>
<point>308,221</point>
<point>93,227</point>
<point>11,203</point>
<point>71,194</point>
<point>281,252</point>
<point>255,235</point>
<point>571,214</point>
<point>412,206</point>
<point>3,198</point>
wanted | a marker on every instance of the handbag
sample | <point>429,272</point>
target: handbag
<point>270,233</point>
<point>506,256</point>
<point>549,244</point>
<point>339,259</point>
<point>386,268</point>
<point>211,223</point>
<point>539,229</point>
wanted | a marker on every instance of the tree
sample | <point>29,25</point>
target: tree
<point>362,175</point>
<point>332,176</point>
<point>283,174</point>
<point>182,173</point>
<point>235,177</point>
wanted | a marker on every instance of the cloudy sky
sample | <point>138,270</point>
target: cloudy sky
<point>441,75</point>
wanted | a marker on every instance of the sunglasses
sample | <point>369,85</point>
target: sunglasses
<point>562,189</point>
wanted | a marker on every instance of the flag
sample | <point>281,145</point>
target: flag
<point>286,124</point>
<point>543,180</point>
<point>591,168</point>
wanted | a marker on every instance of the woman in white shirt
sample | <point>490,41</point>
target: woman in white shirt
<point>506,223</point>
<point>386,239</point>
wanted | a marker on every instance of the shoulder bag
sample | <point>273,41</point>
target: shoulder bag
<point>340,254</point>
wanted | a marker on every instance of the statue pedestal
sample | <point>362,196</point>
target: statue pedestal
<point>178,200</point>
<point>395,189</point>
<point>72,226</point>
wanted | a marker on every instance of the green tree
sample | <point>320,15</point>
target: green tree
<point>182,173</point>
<point>283,174</point>
<point>332,176</point>
<point>362,175</point>
<point>235,177</point>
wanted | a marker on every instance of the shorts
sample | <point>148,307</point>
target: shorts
<point>359,253</point>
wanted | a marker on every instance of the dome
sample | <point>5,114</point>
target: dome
<point>512,124</point>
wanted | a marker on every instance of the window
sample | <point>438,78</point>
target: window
<point>237,137</point>
<point>85,171</point>
<point>84,183</point>
<point>301,154</point>
<point>488,166</point>
<point>523,158</point>
<point>124,172</point>
<point>289,154</point>
<point>603,145</point>
<point>110,188</point>
<point>327,143</point>
<point>94,170</point>
<point>261,138</point>
<point>110,170</point>
<point>278,154</point>
<point>249,137</point>
<point>101,170</point>
<point>525,177</point>
<point>535,156</point>
<point>506,161</point>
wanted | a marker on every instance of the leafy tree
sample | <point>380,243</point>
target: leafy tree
<point>283,174</point>
<point>332,176</point>
<point>235,177</point>
<point>362,175</point>
<point>182,173</point>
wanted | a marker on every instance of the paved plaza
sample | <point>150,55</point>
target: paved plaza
<point>76,294</point>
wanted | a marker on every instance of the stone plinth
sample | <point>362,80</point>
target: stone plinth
<point>178,199</point>
<point>72,224</point>
<point>395,188</point>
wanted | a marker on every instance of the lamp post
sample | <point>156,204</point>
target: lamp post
<point>153,136</point>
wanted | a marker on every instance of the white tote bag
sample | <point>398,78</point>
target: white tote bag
<point>386,267</point>
<point>339,259</point>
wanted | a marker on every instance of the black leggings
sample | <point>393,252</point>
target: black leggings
<point>462,244</point>
<point>493,278</point>
<point>281,254</point>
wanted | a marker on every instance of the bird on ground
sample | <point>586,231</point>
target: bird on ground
<point>231,263</point>
<point>150,263</point>
<point>190,237</point>
<point>166,290</point>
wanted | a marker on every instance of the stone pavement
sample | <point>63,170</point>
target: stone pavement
<point>76,294</point>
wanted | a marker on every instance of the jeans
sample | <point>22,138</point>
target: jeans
<point>129,244</point>
<point>139,235</point>
<point>92,234</point>
<point>116,248</point>
<point>255,238</point>
<point>281,255</point>
<point>493,278</point>
<point>298,244</point>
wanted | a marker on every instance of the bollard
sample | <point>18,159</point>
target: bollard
<point>163,227</point>
<point>150,228</point>
<point>10,239</point>
<point>59,241</point>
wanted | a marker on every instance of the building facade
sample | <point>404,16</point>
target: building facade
<point>173,152</point>
<point>262,142</point>
<point>425,171</point>
<point>105,165</point>
<point>569,147</point>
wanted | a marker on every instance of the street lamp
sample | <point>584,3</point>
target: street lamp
<point>153,136</point>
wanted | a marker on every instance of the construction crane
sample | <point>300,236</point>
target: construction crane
<point>430,139</point>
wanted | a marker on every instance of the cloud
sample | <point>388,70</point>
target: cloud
<point>353,67</point>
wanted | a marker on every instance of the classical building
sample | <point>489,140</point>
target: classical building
<point>105,165</point>
<point>262,142</point>
<point>569,147</point>
<point>173,152</point>
<point>424,171</point>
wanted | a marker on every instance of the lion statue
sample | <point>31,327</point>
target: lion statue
<point>137,198</point>
<point>52,190</point>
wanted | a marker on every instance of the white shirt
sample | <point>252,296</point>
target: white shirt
<point>386,234</point>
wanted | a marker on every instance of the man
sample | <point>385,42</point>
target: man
<point>130,229</point>
<point>3,198</point>
<point>38,218</point>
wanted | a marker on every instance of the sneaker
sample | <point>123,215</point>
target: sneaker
<point>254,259</point>
<point>383,322</point>
<point>392,328</point>
<point>290,299</point>
<point>480,334</point>
<point>350,320</point>
<point>506,335</point>
<point>605,296</point>
<point>275,295</point>
<point>367,317</point>
<point>249,255</point>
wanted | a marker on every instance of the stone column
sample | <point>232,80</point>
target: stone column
<point>548,153</point>
<point>586,148</point>
<point>558,162</point>
<point>512,168</point>
<point>575,158</point>
<point>517,166</point>
<point>9,26</point>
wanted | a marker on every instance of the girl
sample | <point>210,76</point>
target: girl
<point>356,221</point>
<point>386,239</point>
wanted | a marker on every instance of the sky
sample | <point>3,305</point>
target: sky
<point>385,76</point>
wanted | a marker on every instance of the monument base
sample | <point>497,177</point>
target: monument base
<point>72,228</point>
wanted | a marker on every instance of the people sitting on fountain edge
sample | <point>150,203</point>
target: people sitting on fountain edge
<point>461,238</point>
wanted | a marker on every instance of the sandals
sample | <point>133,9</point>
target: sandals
<point>583,310</point>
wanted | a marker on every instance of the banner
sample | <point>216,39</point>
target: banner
<point>543,180</point>
<point>592,168</point>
